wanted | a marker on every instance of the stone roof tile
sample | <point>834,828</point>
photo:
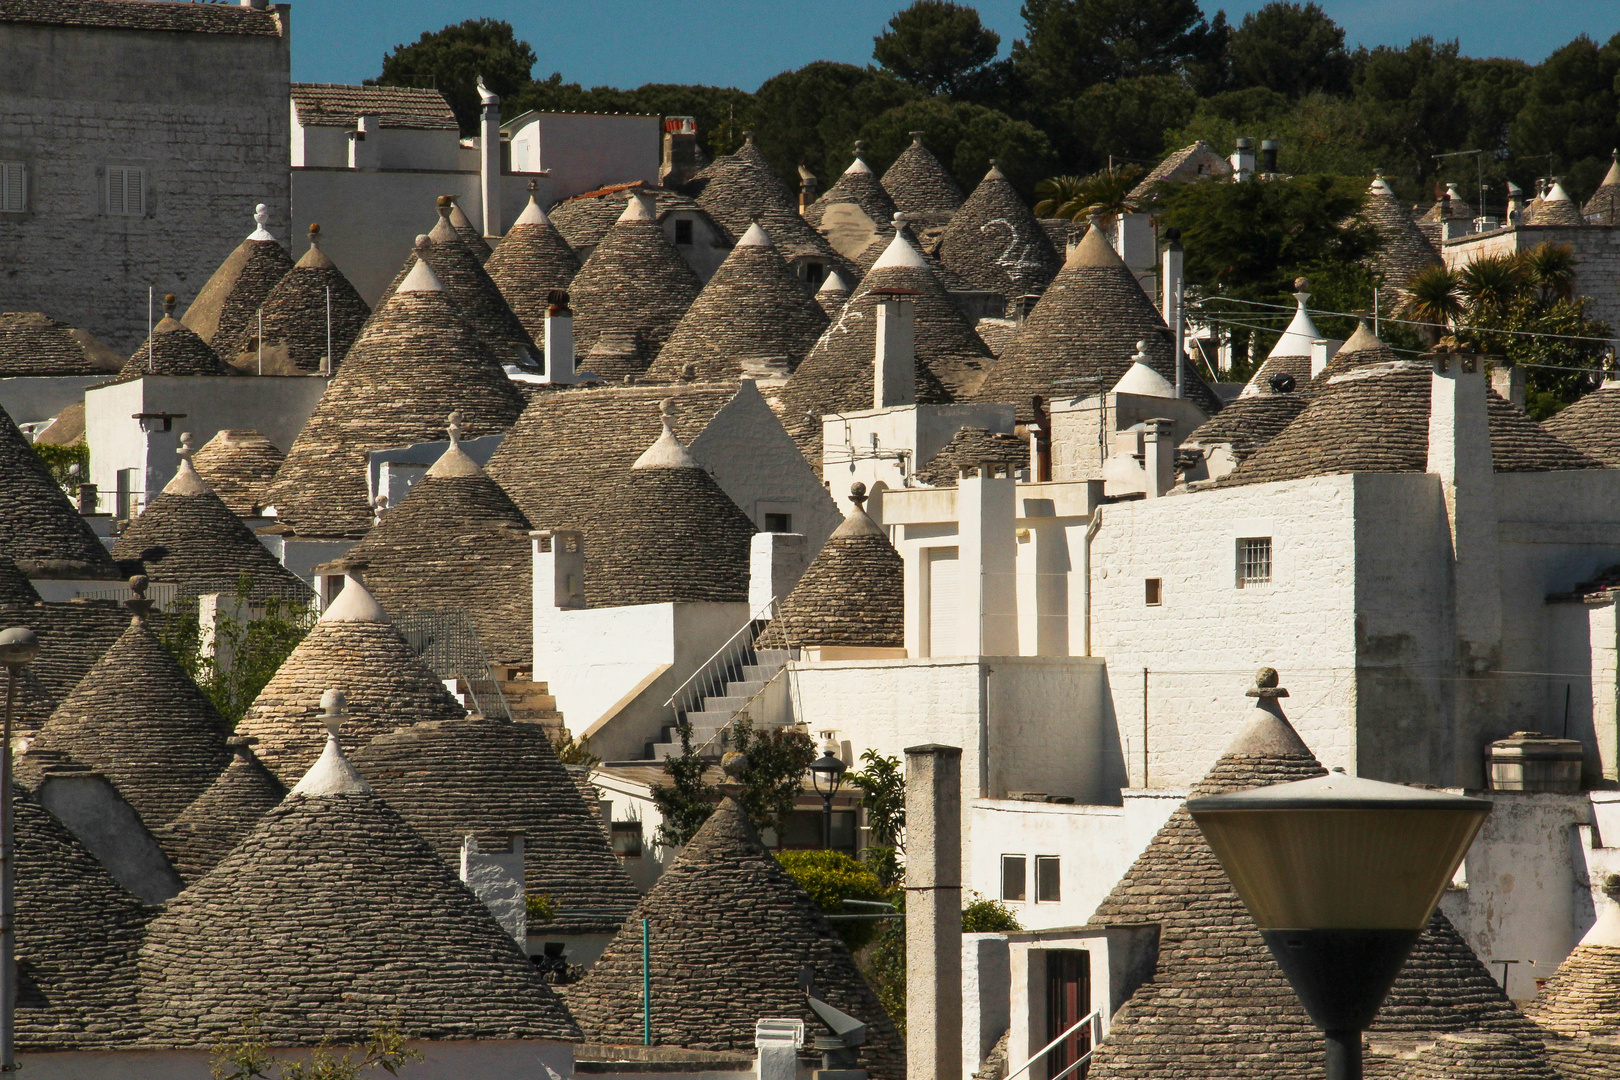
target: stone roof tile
<point>337,105</point>
<point>740,189</point>
<point>231,298</point>
<point>295,319</point>
<point>32,343</point>
<point>39,528</point>
<point>173,349</point>
<point>920,186</point>
<point>1592,424</point>
<point>1248,423</point>
<point>970,447</point>
<point>1403,249</point>
<point>223,815</point>
<point>162,15</point>
<point>995,243</point>
<point>238,464</point>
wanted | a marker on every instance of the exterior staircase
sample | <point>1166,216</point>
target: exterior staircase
<point>716,711</point>
<point>530,702</point>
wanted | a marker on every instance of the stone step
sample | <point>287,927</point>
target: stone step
<point>779,657</point>
<point>761,673</point>
<point>730,705</point>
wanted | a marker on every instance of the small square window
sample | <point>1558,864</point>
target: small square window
<point>778,523</point>
<point>627,839</point>
<point>814,273</point>
<point>13,187</point>
<point>1253,561</point>
<point>683,230</point>
<point>1013,877</point>
<point>126,191</point>
<point>1048,879</point>
<point>1155,591</point>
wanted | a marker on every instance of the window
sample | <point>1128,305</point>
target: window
<point>13,187</point>
<point>815,273</point>
<point>126,191</point>
<point>779,523</point>
<point>1012,878</point>
<point>683,230</point>
<point>1253,561</point>
<point>627,839</point>
<point>1155,591</point>
<point>1048,880</point>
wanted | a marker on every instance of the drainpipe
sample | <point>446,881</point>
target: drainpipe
<point>1174,264</point>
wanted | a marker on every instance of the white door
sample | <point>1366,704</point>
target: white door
<point>944,603</point>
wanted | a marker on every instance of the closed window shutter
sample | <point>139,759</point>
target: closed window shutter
<point>115,191</point>
<point>13,187</point>
<point>135,192</point>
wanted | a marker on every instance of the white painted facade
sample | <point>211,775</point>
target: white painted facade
<point>32,399</point>
<point>883,447</point>
<point>584,151</point>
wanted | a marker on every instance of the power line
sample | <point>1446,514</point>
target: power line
<point>1413,322</point>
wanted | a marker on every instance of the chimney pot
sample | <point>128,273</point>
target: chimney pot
<point>894,374</point>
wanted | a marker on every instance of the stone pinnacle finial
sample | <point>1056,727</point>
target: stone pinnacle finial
<point>734,763</point>
<point>1265,684</point>
<point>1302,290</point>
<point>423,242</point>
<point>916,138</point>
<point>242,745</point>
<point>748,136</point>
<point>1361,314</point>
<point>534,186</point>
<point>1141,356</point>
<point>857,495</point>
<point>1611,887</point>
<point>899,220</point>
<point>314,235</point>
<point>138,603</point>
<point>860,145</point>
<point>168,305</point>
<point>261,215</point>
<point>666,410</point>
<point>446,202</point>
<point>185,450</point>
<point>454,427</point>
<point>333,711</point>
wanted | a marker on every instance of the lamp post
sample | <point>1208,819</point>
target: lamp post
<point>826,774</point>
<point>18,647</point>
<point>1341,875</point>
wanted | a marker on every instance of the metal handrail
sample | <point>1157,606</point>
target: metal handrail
<point>725,664</point>
<point>749,704</point>
<point>1093,1015</point>
<point>447,643</point>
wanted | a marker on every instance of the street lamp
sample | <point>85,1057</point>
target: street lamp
<point>1341,875</point>
<point>826,774</point>
<point>18,647</point>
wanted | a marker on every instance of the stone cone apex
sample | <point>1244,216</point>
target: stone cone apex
<point>920,186</point>
<point>860,186</point>
<point>470,234</point>
<point>232,296</point>
<point>667,452</point>
<point>1361,349</point>
<point>354,603</point>
<point>421,277</point>
<point>1093,250</point>
<point>1142,379</point>
<point>1291,355</point>
<point>332,774</point>
<point>901,251</point>
<point>755,237</point>
<point>994,242</point>
<point>1404,248</point>
<point>739,189</point>
<point>1603,208</point>
<point>185,480</point>
<point>1582,999</point>
<point>314,258</point>
<point>736,932</point>
<point>173,349</point>
<point>454,461</point>
<point>296,316</point>
<point>221,816</point>
<point>531,261</point>
<point>39,528</point>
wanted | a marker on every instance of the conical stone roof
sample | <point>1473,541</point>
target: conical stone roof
<point>231,298</point>
<point>222,816</point>
<point>753,308</point>
<point>187,537</point>
<point>740,189</point>
<point>353,648</point>
<point>635,287</point>
<point>1248,422</point>
<point>471,291</point>
<point>1603,208</point>
<point>833,294</point>
<point>470,234</point>
<point>1216,1005</point>
<point>414,363</point>
<point>1448,208</point>
<point>1403,250</point>
<point>920,186</point>
<point>994,242</point>
<point>72,636</point>
<point>331,917</point>
<point>1376,419</point>
<point>1555,207</point>
<point>493,778</point>
<point>1582,999</point>
<point>295,319</point>
<point>39,529</point>
<point>238,465</point>
<point>1360,349</point>
<point>77,934</point>
<point>837,375</point>
<point>138,718</point>
<point>174,349</point>
<point>1291,355</point>
<point>1081,337</point>
<point>857,186</point>
<point>730,934</point>
<point>852,593</point>
<point>32,343</point>
<point>457,543</point>
<point>583,220</point>
<point>969,448</point>
<point>667,494</point>
<point>532,260</point>
<point>1592,424</point>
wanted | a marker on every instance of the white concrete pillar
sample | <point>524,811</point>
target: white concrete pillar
<point>489,158</point>
<point>1170,303</point>
<point>933,912</point>
<point>1159,456</point>
<point>1604,636</point>
<point>1508,381</point>
<point>778,1044</point>
<point>559,570</point>
<point>776,561</point>
<point>559,343</point>
<point>1323,350</point>
<point>894,375</point>
<point>988,558</point>
<point>1460,454</point>
<point>365,143</point>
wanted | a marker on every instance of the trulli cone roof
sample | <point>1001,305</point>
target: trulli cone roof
<point>1361,349</point>
<point>1249,422</point>
<point>415,362</point>
<point>837,375</point>
<point>754,307</point>
<point>232,296</point>
<point>32,343</point>
<point>859,185</point>
<point>531,261</point>
<point>1082,336</point>
<point>583,220</point>
<point>635,284</point>
<point>994,242</point>
<point>295,319</point>
<point>238,464</point>
<point>72,636</point>
<point>1403,249</point>
<point>1456,208</point>
<point>493,778</point>
<point>1591,425</point>
<point>470,234</point>
<point>457,543</point>
<point>969,448</point>
<point>1554,208</point>
<point>222,816</point>
<point>174,349</point>
<point>474,295</point>
<point>353,648</point>
<point>731,932</point>
<point>39,528</point>
<point>833,294</point>
<point>920,185</point>
<point>1603,208</point>
<point>139,718</point>
<point>332,917</point>
<point>742,188</point>
<point>851,594</point>
<point>1291,355</point>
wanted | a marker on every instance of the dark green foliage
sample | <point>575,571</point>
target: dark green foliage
<point>964,137</point>
<point>1125,119</point>
<point>884,800</point>
<point>771,780</point>
<point>572,751</point>
<point>1074,44</point>
<point>1571,111</point>
<point>986,916</point>
<point>813,116</point>
<point>61,459</point>
<point>257,647</point>
<point>452,59</point>
<point>831,877</point>
<point>687,801</point>
<point>249,1056</point>
<point>1294,49</point>
<point>936,45</point>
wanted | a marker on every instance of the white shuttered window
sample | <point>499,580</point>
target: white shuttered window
<point>126,191</point>
<point>13,187</point>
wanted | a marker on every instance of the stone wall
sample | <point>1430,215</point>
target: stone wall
<point>204,114</point>
<point>1597,258</point>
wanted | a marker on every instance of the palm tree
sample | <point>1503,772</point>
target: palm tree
<point>1433,296</point>
<point>1493,283</point>
<point>1105,194</point>
<point>1551,269</point>
<point>1054,193</point>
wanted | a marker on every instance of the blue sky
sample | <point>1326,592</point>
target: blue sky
<point>743,42</point>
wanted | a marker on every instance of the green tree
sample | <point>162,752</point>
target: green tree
<point>452,59</point>
<point>257,647</point>
<point>965,138</point>
<point>983,915</point>
<point>1070,45</point>
<point>771,776</point>
<point>1105,194</point>
<point>936,45</point>
<point>1319,134</point>
<point>61,460</point>
<point>1121,120</point>
<point>1572,112</point>
<point>687,801</point>
<point>831,877</point>
<point>814,115</point>
<point>1293,49</point>
<point>883,797</point>
<point>248,1056</point>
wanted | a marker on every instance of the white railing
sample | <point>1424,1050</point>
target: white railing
<point>1094,1018</point>
<point>723,667</point>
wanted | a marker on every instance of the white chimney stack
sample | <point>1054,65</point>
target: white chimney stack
<point>894,374</point>
<point>365,148</point>
<point>559,343</point>
<point>1243,160</point>
<point>1159,456</point>
<point>1174,262</point>
<point>489,150</point>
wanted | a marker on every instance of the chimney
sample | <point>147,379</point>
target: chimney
<point>489,158</point>
<point>680,161</point>
<point>1040,440</point>
<point>807,188</point>
<point>559,570</point>
<point>1174,284</point>
<point>1159,456</point>
<point>497,878</point>
<point>365,143</point>
<point>988,551</point>
<point>1243,160</point>
<point>88,497</point>
<point>776,561</point>
<point>1268,157</point>
<point>1460,454</point>
<point>1323,350</point>
<point>1515,204</point>
<point>933,912</point>
<point>1507,379</point>
<point>559,343</point>
<point>894,371</point>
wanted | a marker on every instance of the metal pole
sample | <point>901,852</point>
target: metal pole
<point>149,328</point>
<point>826,823</point>
<point>1343,1055</point>
<point>328,365</point>
<point>261,341</point>
<point>1144,727</point>
<point>646,989</point>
